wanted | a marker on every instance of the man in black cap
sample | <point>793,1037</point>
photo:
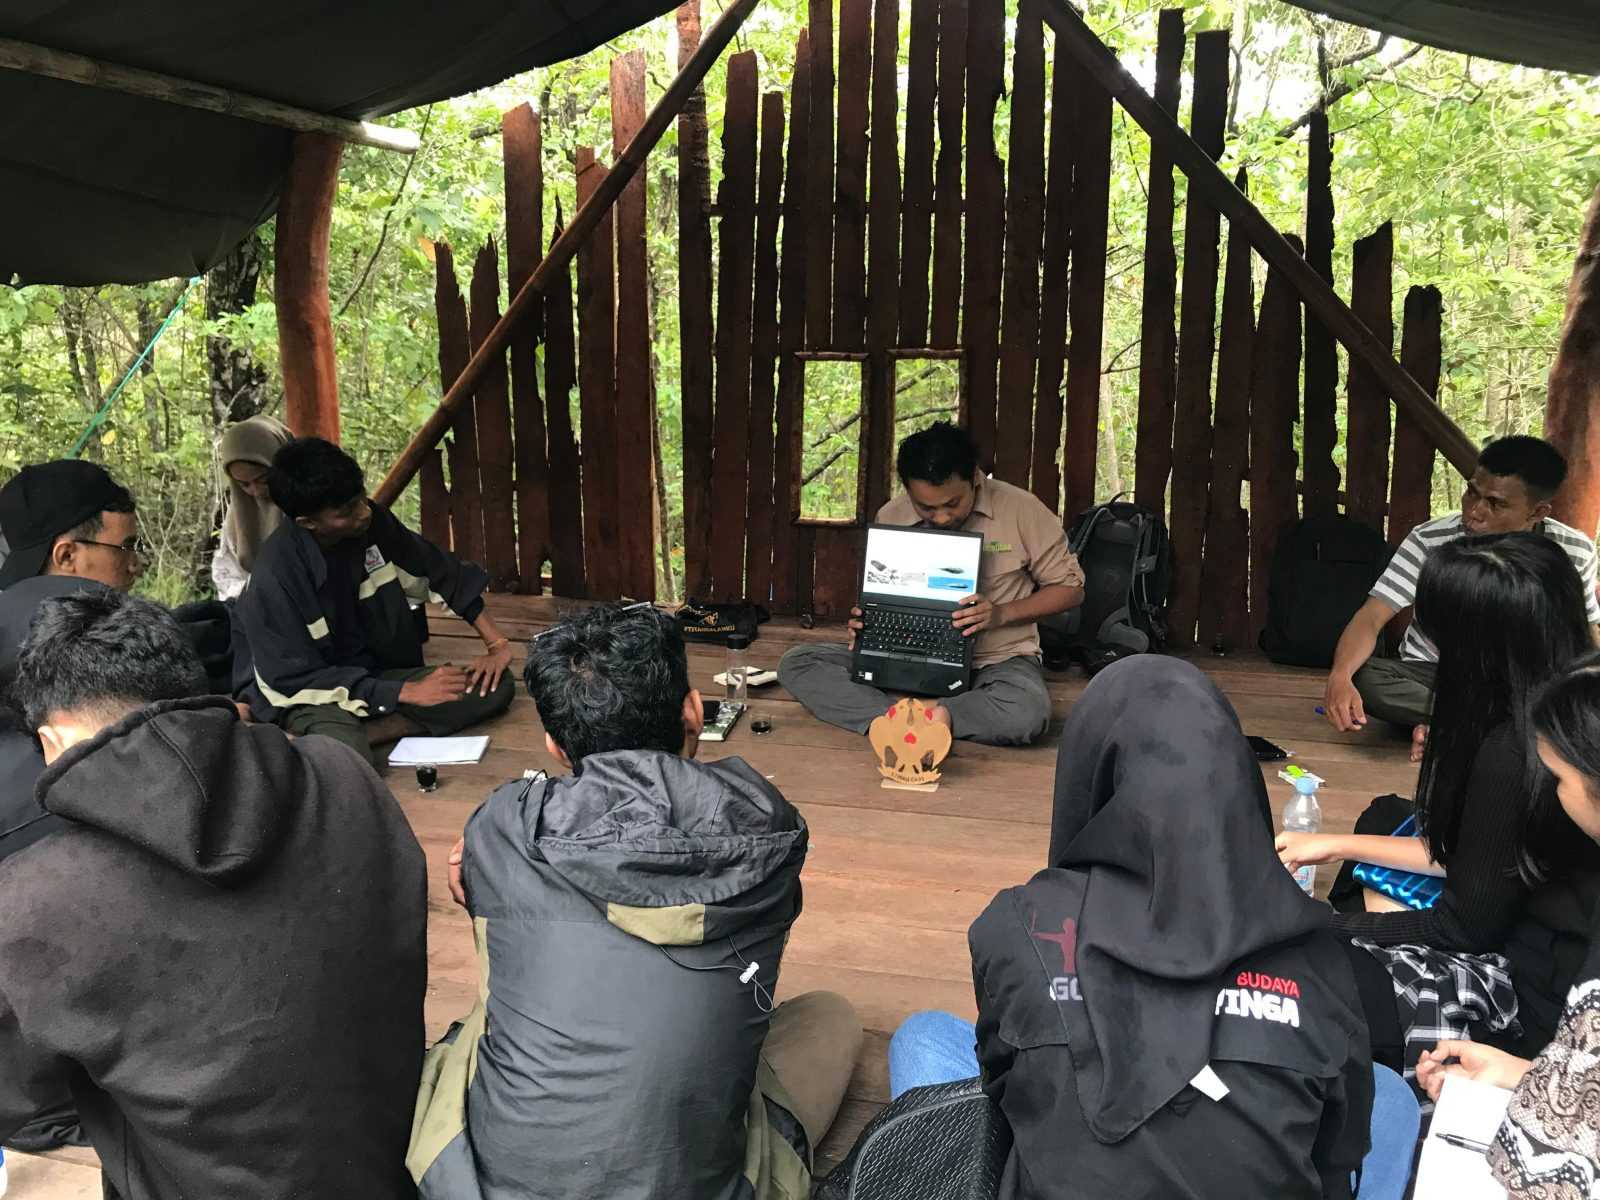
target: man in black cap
<point>68,526</point>
<point>69,518</point>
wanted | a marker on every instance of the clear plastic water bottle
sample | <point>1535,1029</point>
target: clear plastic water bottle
<point>1303,814</point>
<point>737,689</point>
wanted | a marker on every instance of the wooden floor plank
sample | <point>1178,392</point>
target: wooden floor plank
<point>893,878</point>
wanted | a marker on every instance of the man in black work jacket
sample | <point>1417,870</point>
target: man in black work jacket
<point>328,615</point>
<point>233,998</point>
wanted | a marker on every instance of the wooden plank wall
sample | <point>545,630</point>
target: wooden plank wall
<point>839,233</point>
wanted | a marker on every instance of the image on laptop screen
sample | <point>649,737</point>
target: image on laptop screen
<point>921,564</point>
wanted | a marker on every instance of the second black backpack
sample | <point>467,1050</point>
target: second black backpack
<point>1322,570</point>
<point>1127,569</point>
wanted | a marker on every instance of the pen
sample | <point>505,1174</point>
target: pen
<point>1462,1143</point>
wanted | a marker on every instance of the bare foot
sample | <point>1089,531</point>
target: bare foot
<point>1419,742</point>
<point>941,714</point>
<point>391,728</point>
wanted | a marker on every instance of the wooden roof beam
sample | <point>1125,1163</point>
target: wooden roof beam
<point>152,85</point>
<point>1208,181</point>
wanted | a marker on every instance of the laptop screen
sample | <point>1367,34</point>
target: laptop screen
<point>923,566</point>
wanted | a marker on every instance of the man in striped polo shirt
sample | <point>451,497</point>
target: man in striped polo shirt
<point>1510,492</point>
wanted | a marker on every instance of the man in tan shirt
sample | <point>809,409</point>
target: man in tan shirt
<point>1026,572</point>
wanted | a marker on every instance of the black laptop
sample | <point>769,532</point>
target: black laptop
<point>912,582</point>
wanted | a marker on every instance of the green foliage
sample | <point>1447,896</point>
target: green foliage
<point>1483,168</point>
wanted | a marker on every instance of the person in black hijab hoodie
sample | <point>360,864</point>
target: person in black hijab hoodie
<point>1162,1012</point>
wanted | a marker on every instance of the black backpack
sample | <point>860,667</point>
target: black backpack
<point>1322,570</point>
<point>1127,569</point>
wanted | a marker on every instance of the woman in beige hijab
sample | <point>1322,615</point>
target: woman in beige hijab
<point>246,452</point>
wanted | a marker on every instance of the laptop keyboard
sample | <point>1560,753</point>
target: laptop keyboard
<point>922,635</point>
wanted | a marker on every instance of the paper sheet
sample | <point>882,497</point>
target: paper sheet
<point>1469,1110</point>
<point>437,751</point>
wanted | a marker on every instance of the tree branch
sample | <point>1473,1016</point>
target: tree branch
<point>388,215</point>
<point>1339,91</point>
<point>845,449</point>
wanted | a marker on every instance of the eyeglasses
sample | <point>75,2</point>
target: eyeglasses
<point>137,547</point>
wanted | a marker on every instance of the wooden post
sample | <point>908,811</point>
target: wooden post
<point>1225,587</point>
<point>883,254</point>
<point>300,287</point>
<point>1095,57</point>
<point>1320,431</point>
<point>435,501</point>
<point>1191,430</point>
<point>819,232</point>
<point>764,353</point>
<point>1158,332</point>
<point>1091,198</point>
<point>789,427</point>
<point>1274,401</point>
<point>1054,293</point>
<point>696,362</point>
<point>736,231</point>
<point>522,149</point>
<point>567,575</point>
<point>986,231</point>
<point>1019,320</point>
<point>597,390</point>
<point>1411,485</point>
<point>584,222</point>
<point>1366,440</point>
<point>636,414</point>
<point>1572,406</point>
<point>850,199</point>
<point>945,314</point>
<point>916,245</point>
<point>455,348</point>
<point>496,454</point>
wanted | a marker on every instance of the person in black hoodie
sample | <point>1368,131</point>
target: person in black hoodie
<point>222,951</point>
<point>1162,1012</point>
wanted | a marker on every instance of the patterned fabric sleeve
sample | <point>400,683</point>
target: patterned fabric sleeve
<point>1549,1146</point>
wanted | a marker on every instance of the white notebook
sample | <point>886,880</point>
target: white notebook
<point>1468,1110</point>
<point>438,751</point>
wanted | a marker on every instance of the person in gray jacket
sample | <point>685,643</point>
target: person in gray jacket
<point>630,919</point>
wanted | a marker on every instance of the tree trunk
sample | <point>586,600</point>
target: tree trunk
<point>238,384</point>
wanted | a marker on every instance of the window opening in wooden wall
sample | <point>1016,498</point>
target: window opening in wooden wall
<point>830,459</point>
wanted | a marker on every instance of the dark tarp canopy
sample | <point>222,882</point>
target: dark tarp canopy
<point>103,187</point>
<point>1562,35</point>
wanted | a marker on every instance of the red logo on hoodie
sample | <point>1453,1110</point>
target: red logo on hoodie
<point>1067,942</point>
